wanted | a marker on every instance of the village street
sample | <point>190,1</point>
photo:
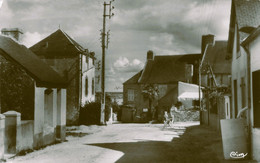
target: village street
<point>184,142</point>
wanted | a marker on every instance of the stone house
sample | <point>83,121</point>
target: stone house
<point>70,59</point>
<point>35,90</point>
<point>132,94</point>
<point>163,73</point>
<point>244,29</point>
<point>215,75</point>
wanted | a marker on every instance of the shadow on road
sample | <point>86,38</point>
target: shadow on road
<point>197,144</point>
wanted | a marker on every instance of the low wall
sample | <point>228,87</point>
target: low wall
<point>2,134</point>
<point>184,116</point>
<point>256,143</point>
<point>25,138</point>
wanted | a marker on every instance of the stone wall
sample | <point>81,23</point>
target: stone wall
<point>17,89</point>
<point>185,116</point>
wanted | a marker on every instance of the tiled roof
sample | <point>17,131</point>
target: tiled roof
<point>43,74</point>
<point>216,57</point>
<point>166,69</point>
<point>134,79</point>
<point>246,13</point>
<point>57,44</point>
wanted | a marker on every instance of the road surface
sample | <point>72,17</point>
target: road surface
<point>184,142</point>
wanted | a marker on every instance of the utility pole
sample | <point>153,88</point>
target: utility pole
<point>103,94</point>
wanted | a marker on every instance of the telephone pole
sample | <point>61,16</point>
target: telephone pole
<point>103,94</point>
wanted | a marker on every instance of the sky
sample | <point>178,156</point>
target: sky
<point>167,27</point>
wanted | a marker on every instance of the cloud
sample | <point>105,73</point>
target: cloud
<point>186,22</point>
<point>30,39</point>
<point>122,64</point>
<point>166,27</point>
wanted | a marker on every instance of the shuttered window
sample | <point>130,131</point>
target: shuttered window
<point>131,95</point>
<point>86,86</point>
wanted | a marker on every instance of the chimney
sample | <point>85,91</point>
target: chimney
<point>207,39</point>
<point>188,73</point>
<point>15,33</point>
<point>150,55</point>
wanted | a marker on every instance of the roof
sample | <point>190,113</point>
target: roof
<point>12,30</point>
<point>216,57</point>
<point>252,36</point>
<point>44,75</point>
<point>58,44</point>
<point>167,69</point>
<point>134,79</point>
<point>246,14</point>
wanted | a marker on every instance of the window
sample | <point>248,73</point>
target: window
<point>235,97</point>
<point>86,86</point>
<point>131,95</point>
<point>93,86</point>
<point>87,61</point>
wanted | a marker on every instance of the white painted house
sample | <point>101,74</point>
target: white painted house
<point>244,47</point>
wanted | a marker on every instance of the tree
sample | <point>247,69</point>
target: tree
<point>151,92</point>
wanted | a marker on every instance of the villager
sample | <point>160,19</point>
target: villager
<point>167,119</point>
<point>173,111</point>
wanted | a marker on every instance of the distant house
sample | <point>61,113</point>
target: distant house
<point>215,79</point>
<point>116,97</point>
<point>161,74</point>
<point>132,93</point>
<point>34,94</point>
<point>67,57</point>
<point>244,28</point>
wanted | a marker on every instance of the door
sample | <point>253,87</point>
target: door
<point>256,97</point>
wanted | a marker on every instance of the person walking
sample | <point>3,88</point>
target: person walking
<point>173,111</point>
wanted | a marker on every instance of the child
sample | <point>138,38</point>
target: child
<point>167,119</point>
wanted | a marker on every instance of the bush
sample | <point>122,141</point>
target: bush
<point>90,113</point>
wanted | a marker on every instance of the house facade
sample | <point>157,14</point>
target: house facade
<point>160,76</point>
<point>244,22</point>
<point>40,118</point>
<point>215,72</point>
<point>252,46</point>
<point>132,96</point>
<point>74,62</point>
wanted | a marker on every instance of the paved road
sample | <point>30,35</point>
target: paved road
<point>132,143</point>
